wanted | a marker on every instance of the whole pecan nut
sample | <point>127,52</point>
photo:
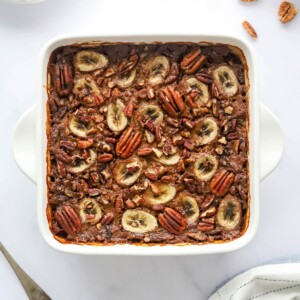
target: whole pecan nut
<point>172,221</point>
<point>221,182</point>
<point>192,62</point>
<point>68,219</point>
<point>128,142</point>
<point>171,101</point>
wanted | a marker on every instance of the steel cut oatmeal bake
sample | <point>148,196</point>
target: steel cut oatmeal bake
<point>147,143</point>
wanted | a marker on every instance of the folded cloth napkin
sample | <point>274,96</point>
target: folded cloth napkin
<point>268,282</point>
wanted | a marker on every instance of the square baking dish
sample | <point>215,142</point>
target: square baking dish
<point>129,249</point>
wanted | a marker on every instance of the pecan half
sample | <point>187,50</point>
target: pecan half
<point>144,151</point>
<point>128,142</point>
<point>171,101</point>
<point>107,219</point>
<point>287,11</point>
<point>68,219</point>
<point>172,221</point>
<point>61,169</point>
<point>63,78</point>
<point>192,62</point>
<point>205,227</point>
<point>119,204</point>
<point>205,78</point>
<point>249,28</point>
<point>197,236</point>
<point>126,66</point>
<point>221,182</point>
<point>85,144</point>
<point>207,201</point>
<point>129,109</point>
<point>105,157</point>
<point>63,156</point>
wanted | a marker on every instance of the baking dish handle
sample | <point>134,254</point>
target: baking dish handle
<point>271,142</point>
<point>24,143</point>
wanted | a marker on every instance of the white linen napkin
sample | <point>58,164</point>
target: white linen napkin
<point>269,282</point>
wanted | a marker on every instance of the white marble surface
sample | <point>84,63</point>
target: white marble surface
<point>23,31</point>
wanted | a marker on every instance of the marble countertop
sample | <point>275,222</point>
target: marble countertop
<point>23,31</point>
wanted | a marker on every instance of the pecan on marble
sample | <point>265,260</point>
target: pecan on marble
<point>128,142</point>
<point>287,11</point>
<point>249,28</point>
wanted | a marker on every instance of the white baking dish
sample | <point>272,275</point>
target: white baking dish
<point>254,157</point>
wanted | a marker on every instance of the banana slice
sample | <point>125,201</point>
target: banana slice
<point>83,165</point>
<point>87,61</point>
<point>201,88</point>
<point>159,69</point>
<point>85,86</point>
<point>205,131</point>
<point>80,128</point>
<point>166,193</point>
<point>89,211</point>
<point>229,213</point>
<point>167,160</point>
<point>127,172</point>
<point>190,207</point>
<point>205,166</point>
<point>116,118</point>
<point>127,79</point>
<point>151,111</point>
<point>225,80</point>
<point>138,221</point>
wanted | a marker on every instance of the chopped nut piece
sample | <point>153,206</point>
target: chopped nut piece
<point>219,150</point>
<point>137,199</point>
<point>157,152</point>
<point>222,140</point>
<point>149,136</point>
<point>287,11</point>
<point>249,28</point>
<point>228,110</point>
